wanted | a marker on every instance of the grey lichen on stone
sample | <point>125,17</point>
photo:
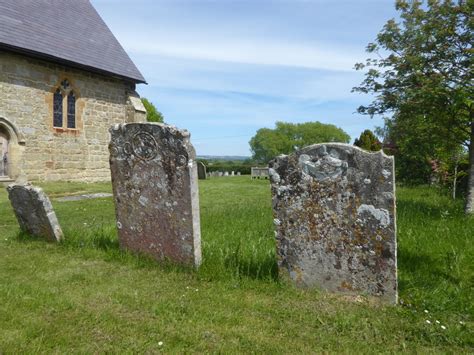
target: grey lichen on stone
<point>34,211</point>
<point>154,180</point>
<point>380,214</point>
<point>334,216</point>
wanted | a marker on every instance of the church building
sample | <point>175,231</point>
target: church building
<point>64,81</point>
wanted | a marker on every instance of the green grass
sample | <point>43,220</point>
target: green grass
<point>85,295</point>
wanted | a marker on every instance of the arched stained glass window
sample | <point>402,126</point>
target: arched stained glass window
<point>58,109</point>
<point>71,110</point>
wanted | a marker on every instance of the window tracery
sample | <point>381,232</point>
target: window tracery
<point>64,106</point>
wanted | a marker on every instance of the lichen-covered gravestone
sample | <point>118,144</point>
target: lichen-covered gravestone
<point>154,179</point>
<point>34,212</point>
<point>202,175</point>
<point>334,214</point>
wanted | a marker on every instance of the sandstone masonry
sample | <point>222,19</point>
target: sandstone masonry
<point>39,151</point>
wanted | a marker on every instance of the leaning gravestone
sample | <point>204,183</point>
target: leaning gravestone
<point>202,175</point>
<point>154,179</point>
<point>34,212</point>
<point>334,214</point>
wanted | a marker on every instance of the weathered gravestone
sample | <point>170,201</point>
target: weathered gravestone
<point>202,175</point>
<point>154,179</point>
<point>34,212</point>
<point>334,214</point>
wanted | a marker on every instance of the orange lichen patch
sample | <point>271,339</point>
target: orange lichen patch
<point>346,286</point>
<point>299,275</point>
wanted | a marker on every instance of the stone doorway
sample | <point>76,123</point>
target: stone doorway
<point>11,150</point>
<point>4,153</point>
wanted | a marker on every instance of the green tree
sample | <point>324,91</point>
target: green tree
<point>287,137</point>
<point>368,141</point>
<point>422,75</point>
<point>152,114</point>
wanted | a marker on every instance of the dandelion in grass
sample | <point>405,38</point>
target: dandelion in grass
<point>160,343</point>
<point>428,321</point>
<point>426,311</point>
<point>437,321</point>
<point>443,327</point>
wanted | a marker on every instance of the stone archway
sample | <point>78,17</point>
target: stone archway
<point>11,141</point>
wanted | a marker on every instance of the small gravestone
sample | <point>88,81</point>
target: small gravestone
<point>226,173</point>
<point>334,214</point>
<point>220,173</point>
<point>34,212</point>
<point>238,173</point>
<point>232,173</point>
<point>154,180</point>
<point>257,173</point>
<point>202,175</point>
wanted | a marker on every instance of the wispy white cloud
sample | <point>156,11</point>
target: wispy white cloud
<point>247,51</point>
<point>275,81</point>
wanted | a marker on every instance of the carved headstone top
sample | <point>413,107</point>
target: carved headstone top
<point>154,179</point>
<point>334,214</point>
<point>34,212</point>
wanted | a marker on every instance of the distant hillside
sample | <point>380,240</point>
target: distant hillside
<point>222,157</point>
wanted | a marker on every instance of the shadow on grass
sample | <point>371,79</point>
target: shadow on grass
<point>24,237</point>
<point>424,269</point>
<point>105,239</point>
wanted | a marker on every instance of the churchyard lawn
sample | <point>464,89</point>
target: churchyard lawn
<point>85,295</point>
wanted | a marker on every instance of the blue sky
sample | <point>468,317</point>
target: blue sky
<point>222,69</point>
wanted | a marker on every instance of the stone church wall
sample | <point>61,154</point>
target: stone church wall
<point>39,151</point>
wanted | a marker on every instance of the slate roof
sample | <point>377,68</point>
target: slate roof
<point>67,31</point>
